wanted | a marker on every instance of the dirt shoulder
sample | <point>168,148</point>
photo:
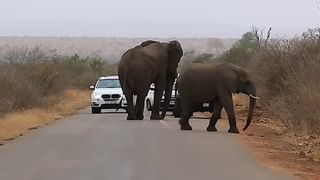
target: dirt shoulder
<point>15,124</point>
<point>279,149</point>
<point>276,147</point>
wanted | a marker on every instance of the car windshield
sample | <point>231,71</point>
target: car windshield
<point>108,83</point>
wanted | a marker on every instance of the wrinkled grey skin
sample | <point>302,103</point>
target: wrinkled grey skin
<point>139,67</point>
<point>214,82</point>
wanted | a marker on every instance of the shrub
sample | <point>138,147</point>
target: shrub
<point>287,72</point>
<point>29,76</point>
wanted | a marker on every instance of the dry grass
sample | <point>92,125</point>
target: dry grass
<point>286,73</point>
<point>31,75</point>
<point>14,124</point>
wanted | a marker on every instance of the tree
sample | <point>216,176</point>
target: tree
<point>97,65</point>
<point>243,50</point>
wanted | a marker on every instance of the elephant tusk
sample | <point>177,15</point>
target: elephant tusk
<point>254,97</point>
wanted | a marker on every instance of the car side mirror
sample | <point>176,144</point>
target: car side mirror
<point>91,87</point>
<point>152,87</point>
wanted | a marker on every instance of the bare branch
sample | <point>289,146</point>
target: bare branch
<point>255,30</point>
<point>268,36</point>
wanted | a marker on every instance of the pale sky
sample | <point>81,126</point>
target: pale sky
<point>155,18</point>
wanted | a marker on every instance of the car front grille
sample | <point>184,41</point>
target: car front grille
<point>116,96</point>
<point>106,96</point>
<point>109,97</point>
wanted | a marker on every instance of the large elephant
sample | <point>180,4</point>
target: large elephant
<point>139,67</point>
<point>202,82</point>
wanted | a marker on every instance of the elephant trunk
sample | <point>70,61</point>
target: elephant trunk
<point>252,104</point>
<point>167,95</point>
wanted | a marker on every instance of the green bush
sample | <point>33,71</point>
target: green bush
<point>242,51</point>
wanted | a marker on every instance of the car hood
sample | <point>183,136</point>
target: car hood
<point>108,91</point>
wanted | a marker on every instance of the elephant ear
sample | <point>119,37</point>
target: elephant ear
<point>244,81</point>
<point>175,53</point>
<point>175,49</point>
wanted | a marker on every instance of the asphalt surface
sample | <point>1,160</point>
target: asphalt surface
<point>108,147</point>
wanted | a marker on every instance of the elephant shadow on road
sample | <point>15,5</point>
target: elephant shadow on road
<point>113,111</point>
<point>103,112</point>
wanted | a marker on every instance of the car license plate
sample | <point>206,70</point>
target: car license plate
<point>110,102</point>
<point>171,102</point>
<point>205,105</point>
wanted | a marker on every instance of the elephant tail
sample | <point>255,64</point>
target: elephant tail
<point>127,84</point>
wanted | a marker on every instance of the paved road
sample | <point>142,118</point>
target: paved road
<point>108,147</point>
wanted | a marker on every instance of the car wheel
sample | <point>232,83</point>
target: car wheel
<point>95,110</point>
<point>149,107</point>
<point>177,108</point>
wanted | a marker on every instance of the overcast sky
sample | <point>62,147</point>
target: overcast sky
<point>155,18</point>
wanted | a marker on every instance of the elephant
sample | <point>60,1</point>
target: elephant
<point>202,82</point>
<point>139,67</point>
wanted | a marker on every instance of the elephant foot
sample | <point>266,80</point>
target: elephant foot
<point>212,128</point>
<point>233,130</point>
<point>131,117</point>
<point>162,116</point>
<point>185,126</point>
<point>140,117</point>
<point>155,117</point>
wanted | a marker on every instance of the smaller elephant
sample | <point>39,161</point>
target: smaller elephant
<point>203,82</point>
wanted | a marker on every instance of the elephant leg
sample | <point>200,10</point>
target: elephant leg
<point>159,88</point>
<point>216,114</point>
<point>140,107</point>
<point>185,116</point>
<point>130,108</point>
<point>227,102</point>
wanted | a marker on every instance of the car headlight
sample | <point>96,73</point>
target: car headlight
<point>123,98</point>
<point>96,95</point>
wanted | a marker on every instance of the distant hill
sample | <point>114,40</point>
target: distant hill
<point>110,49</point>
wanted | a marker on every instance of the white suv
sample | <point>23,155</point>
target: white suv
<point>107,94</point>
<point>150,99</point>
